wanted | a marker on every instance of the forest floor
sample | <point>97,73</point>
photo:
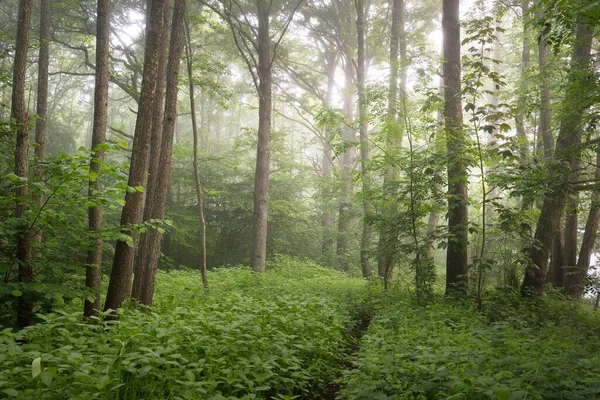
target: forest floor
<point>301,331</point>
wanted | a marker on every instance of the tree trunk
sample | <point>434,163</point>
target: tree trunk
<point>574,281</point>
<point>261,179</point>
<point>328,219</point>
<point>344,218</point>
<point>119,287</point>
<point>157,206</point>
<point>198,186</point>
<point>520,117</point>
<point>41,125</point>
<point>93,274</point>
<point>21,121</point>
<point>566,151</point>
<point>143,253</point>
<point>385,252</point>
<point>458,221</point>
<point>364,138</point>
<point>557,258</point>
<point>545,123</point>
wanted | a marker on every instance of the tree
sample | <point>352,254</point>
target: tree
<point>566,152</point>
<point>458,218</point>
<point>119,286</point>
<point>251,28</point>
<point>93,276</point>
<point>41,125</point>
<point>157,195</point>
<point>21,121</point>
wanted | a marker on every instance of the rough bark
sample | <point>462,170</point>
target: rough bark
<point>557,258</point>
<point>364,138</point>
<point>198,186</point>
<point>261,178</point>
<point>545,123</point>
<point>566,151</point>
<point>119,287</point>
<point>142,256</point>
<point>93,274</point>
<point>457,257</point>
<point>159,198</point>
<point>574,280</point>
<point>20,119</point>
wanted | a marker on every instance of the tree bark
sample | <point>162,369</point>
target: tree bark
<point>119,287</point>
<point>93,274</point>
<point>566,151</point>
<point>142,257</point>
<point>364,138</point>
<point>520,117</point>
<point>574,281</point>
<point>545,123</point>
<point>159,199</point>
<point>557,258</point>
<point>457,257</point>
<point>198,185</point>
<point>261,179</point>
<point>21,121</point>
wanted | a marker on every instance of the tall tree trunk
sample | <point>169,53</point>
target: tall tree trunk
<point>545,123</point>
<point>157,206</point>
<point>328,219</point>
<point>520,117</point>
<point>119,287</point>
<point>385,252</point>
<point>344,218</point>
<point>41,125</point>
<point>93,274</point>
<point>566,151</point>
<point>261,179</point>
<point>575,280</point>
<point>458,220</point>
<point>557,258</point>
<point>20,118</point>
<point>143,253</point>
<point>364,138</point>
<point>198,186</point>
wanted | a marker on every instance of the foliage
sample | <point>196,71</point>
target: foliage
<point>542,349</point>
<point>277,335</point>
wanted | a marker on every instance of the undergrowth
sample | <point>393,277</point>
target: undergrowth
<point>281,335</point>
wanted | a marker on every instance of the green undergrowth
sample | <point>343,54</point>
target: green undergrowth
<point>281,335</point>
<point>516,349</point>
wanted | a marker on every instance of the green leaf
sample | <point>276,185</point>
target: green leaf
<point>10,392</point>
<point>47,378</point>
<point>502,394</point>
<point>17,293</point>
<point>139,189</point>
<point>36,367</point>
<point>190,376</point>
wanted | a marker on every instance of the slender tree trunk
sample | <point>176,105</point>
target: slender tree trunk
<point>41,125</point>
<point>520,117</point>
<point>119,287</point>
<point>344,218</point>
<point>261,180</point>
<point>158,205</point>
<point>328,219</point>
<point>575,280</point>
<point>385,252</point>
<point>458,220</point>
<point>93,274</point>
<point>199,195</point>
<point>568,138</point>
<point>364,138</point>
<point>21,121</point>
<point>143,253</point>
<point>545,123</point>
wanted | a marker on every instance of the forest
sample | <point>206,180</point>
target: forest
<point>300,199</point>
